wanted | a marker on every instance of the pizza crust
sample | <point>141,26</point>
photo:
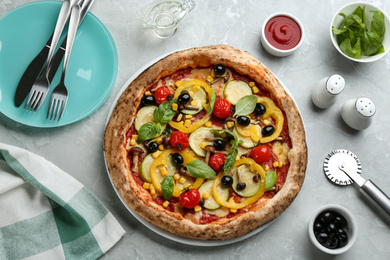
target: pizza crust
<point>139,200</point>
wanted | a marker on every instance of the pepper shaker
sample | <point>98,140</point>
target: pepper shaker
<point>357,113</point>
<point>325,93</point>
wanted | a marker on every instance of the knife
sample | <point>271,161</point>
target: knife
<point>35,67</point>
<point>369,190</point>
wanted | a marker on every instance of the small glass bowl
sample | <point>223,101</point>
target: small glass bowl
<point>273,50</point>
<point>351,229</point>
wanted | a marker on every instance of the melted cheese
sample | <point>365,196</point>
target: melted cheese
<point>281,151</point>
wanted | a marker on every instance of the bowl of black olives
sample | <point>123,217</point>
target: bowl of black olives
<point>333,229</point>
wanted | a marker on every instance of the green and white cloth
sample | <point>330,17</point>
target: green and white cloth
<point>47,214</point>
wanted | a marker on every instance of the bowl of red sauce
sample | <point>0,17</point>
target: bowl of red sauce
<point>282,34</point>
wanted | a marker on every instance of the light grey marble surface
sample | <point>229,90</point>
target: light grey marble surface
<point>77,148</point>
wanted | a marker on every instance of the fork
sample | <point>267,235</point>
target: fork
<point>41,86</point>
<point>59,97</point>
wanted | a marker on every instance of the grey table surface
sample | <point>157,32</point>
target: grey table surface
<point>78,148</point>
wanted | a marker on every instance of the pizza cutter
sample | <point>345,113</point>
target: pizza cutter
<point>342,167</point>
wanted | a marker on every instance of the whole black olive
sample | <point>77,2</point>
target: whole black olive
<point>243,120</point>
<point>177,158</point>
<point>268,130</point>
<point>184,98</point>
<point>326,217</point>
<point>148,101</point>
<point>332,242</point>
<point>340,221</point>
<point>260,109</point>
<point>241,185</point>
<point>227,180</point>
<point>152,147</point>
<point>322,237</point>
<point>219,144</point>
<point>219,70</point>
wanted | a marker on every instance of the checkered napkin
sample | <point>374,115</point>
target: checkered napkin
<point>47,214</point>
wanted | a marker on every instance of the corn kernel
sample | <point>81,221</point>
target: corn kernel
<point>132,142</point>
<point>182,180</point>
<point>175,106</point>
<point>155,155</point>
<point>147,93</point>
<point>176,176</point>
<point>159,140</point>
<point>255,90</point>
<point>191,93</point>
<point>165,204</point>
<point>275,164</point>
<point>196,88</point>
<point>231,200</point>
<point>194,103</point>
<point>146,185</point>
<point>230,124</point>
<point>163,171</point>
<point>179,117</point>
<point>188,116</point>
<point>280,164</point>
<point>208,124</point>
<point>251,84</point>
<point>197,208</point>
<point>203,145</point>
<point>233,210</point>
<point>178,83</point>
<point>152,190</point>
<point>205,195</point>
<point>212,73</point>
<point>266,122</point>
<point>238,157</point>
<point>266,168</point>
<point>134,137</point>
<point>209,79</point>
<point>161,147</point>
<point>187,123</point>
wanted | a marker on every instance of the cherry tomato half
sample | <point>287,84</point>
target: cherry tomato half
<point>189,199</point>
<point>217,160</point>
<point>179,140</point>
<point>222,108</point>
<point>261,154</point>
<point>161,94</point>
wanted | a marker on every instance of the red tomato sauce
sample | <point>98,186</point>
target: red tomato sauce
<point>283,32</point>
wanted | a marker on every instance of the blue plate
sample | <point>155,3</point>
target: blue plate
<point>91,70</point>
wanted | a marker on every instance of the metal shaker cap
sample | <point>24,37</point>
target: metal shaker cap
<point>335,84</point>
<point>365,106</point>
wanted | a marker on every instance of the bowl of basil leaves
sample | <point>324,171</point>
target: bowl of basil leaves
<point>358,31</point>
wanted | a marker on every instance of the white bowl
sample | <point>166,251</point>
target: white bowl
<point>349,9</point>
<point>351,229</point>
<point>273,50</point>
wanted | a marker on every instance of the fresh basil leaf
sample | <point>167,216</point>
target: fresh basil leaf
<point>270,180</point>
<point>246,105</point>
<point>353,52</point>
<point>230,157</point>
<point>167,187</point>
<point>148,131</point>
<point>371,43</point>
<point>378,23</point>
<point>212,102</point>
<point>164,113</point>
<point>199,169</point>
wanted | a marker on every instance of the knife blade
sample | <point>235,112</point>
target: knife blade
<point>372,192</point>
<point>36,66</point>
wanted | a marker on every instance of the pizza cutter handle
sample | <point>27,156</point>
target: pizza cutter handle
<point>377,197</point>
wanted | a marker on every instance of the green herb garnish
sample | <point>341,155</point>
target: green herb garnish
<point>246,105</point>
<point>355,39</point>
<point>199,169</point>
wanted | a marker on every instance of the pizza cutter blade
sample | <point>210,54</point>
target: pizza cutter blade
<point>342,167</point>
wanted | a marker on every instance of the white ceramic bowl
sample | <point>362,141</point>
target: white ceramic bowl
<point>273,50</point>
<point>349,9</point>
<point>351,229</point>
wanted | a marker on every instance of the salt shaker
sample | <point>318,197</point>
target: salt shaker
<point>325,93</point>
<point>357,113</point>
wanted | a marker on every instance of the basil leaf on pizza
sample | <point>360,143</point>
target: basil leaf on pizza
<point>270,180</point>
<point>164,113</point>
<point>199,169</point>
<point>148,131</point>
<point>167,187</point>
<point>246,105</point>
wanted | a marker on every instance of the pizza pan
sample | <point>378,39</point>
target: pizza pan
<point>159,231</point>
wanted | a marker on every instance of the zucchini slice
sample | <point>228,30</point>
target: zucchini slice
<point>236,89</point>
<point>200,97</point>
<point>145,168</point>
<point>243,174</point>
<point>197,138</point>
<point>210,202</point>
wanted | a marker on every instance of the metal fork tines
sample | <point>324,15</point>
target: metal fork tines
<point>59,97</point>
